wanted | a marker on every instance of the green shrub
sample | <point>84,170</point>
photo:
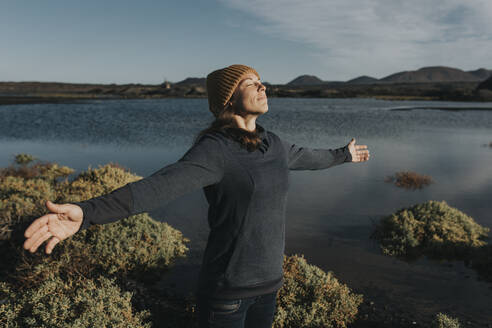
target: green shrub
<point>21,199</point>
<point>95,182</point>
<point>133,246</point>
<point>24,190</point>
<point>432,228</point>
<point>311,297</point>
<point>23,159</point>
<point>58,303</point>
<point>443,321</point>
<point>137,243</point>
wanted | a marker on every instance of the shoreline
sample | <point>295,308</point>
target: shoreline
<point>54,92</point>
<point>441,108</point>
<point>19,100</point>
<point>32,100</point>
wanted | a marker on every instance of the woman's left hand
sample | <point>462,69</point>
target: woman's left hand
<point>359,153</point>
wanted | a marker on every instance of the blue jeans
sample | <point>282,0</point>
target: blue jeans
<point>250,312</point>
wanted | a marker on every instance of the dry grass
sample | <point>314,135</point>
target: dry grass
<point>409,180</point>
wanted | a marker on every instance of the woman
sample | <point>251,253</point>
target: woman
<point>244,172</point>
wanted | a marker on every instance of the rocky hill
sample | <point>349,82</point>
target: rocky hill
<point>193,81</point>
<point>364,79</point>
<point>433,74</point>
<point>427,83</point>
<point>482,73</point>
<point>486,85</point>
<point>305,80</point>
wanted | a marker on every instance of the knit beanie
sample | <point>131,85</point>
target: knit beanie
<point>221,84</point>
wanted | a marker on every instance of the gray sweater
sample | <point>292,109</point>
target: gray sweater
<point>247,194</point>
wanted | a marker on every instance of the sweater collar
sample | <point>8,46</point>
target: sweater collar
<point>261,131</point>
<point>263,136</point>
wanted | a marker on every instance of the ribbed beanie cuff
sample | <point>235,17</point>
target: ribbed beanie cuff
<point>221,84</point>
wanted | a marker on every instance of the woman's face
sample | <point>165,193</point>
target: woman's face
<point>249,96</point>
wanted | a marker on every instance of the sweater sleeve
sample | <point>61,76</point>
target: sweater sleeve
<point>200,166</point>
<point>304,158</point>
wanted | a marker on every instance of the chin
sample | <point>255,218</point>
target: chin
<point>263,110</point>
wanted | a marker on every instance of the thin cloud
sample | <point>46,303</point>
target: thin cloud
<point>380,37</point>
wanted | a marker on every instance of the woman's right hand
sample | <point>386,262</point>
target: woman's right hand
<point>64,221</point>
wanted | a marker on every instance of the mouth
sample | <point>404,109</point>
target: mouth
<point>262,98</point>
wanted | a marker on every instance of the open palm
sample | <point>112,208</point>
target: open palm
<point>64,221</point>
<point>359,152</point>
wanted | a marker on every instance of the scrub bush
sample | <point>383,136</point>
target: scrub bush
<point>136,244</point>
<point>95,182</point>
<point>24,190</point>
<point>409,180</point>
<point>443,321</point>
<point>136,247</point>
<point>311,297</point>
<point>59,303</point>
<point>432,228</point>
<point>24,159</point>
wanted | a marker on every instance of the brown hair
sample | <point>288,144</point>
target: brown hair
<point>226,125</point>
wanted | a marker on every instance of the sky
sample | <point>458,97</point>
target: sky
<point>154,41</point>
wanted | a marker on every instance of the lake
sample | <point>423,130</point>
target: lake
<point>330,212</point>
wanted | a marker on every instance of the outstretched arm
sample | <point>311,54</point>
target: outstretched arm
<point>305,158</point>
<point>200,166</point>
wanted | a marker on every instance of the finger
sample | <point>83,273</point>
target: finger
<point>362,153</point>
<point>55,207</point>
<point>51,244</point>
<point>40,241</point>
<point>361,147</point>
<point>35,236</point>
<point>362,156</point>
<point>36,224</point>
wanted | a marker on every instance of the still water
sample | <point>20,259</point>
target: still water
<point>330,212</point>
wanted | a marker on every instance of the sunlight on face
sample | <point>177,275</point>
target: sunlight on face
<point>250,95</point>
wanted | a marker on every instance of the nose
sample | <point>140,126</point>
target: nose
<point>262,86</point>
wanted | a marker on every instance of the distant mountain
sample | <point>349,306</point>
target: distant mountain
<point>487,84</point>
<point>482,73</point>
<point>200,81</point>
<point>364,79</point>
<point>306,80</point>
<point>432,74</point>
